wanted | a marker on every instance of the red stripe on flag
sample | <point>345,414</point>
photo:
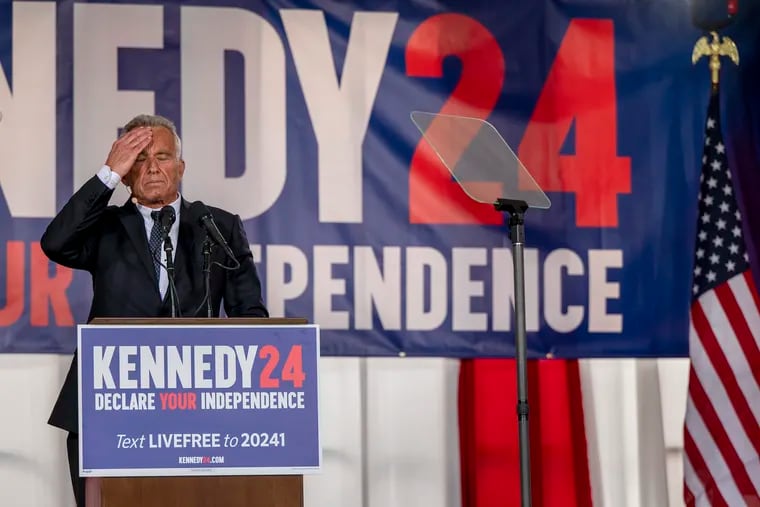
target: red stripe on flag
<point>744,335</point>
<point>712,422</point>
<point>752,289</point>
<point>688,496</point>
<point>722,368</point>
<point>698,463</point>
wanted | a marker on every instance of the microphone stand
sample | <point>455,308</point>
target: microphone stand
<point>207,274</point>
<point>516,210</point>
<point>168,248</point>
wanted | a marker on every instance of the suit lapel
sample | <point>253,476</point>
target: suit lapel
<point>188,258</point>
<point>134,224</point>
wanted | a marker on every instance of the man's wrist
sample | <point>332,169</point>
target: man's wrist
<point>109,178</point>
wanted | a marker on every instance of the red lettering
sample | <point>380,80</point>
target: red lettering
<point>434,198</point>
<point>292,370</point>
<point>273,355</point>
<point>44,288</point>
<point>14,283</point>
<point>580,88</point>
<point>174,401</point>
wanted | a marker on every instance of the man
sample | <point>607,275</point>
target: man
<point>121,249</point>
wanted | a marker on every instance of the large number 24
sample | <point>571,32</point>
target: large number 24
<point>580,87</point>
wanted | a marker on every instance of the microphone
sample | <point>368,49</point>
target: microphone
<point>166,218</point>
<point>207,222</point>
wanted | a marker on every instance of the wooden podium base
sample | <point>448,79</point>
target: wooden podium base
<point>206,491</point>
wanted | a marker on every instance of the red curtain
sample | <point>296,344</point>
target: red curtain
<point>489,447</point>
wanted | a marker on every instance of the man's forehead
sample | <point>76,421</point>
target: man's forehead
<point>162,143</point>
<point>162,133</point>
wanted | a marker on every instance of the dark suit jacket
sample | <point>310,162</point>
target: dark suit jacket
<point>110,242</point>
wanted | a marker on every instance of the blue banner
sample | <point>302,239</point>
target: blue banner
<point>296,116</point>
<point>198,400</point>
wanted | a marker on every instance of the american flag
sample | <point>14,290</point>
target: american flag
<point>722,430</point>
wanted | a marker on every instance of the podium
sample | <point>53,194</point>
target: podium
<point>261,485</point>
<point>227,491</point>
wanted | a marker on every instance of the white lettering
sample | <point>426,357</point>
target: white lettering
<point>202,64</point>
<point>188,368</point>
<point>151,367</point>
<point>246,363</point>
<point>101,367</point>
<point>127,366</point>
<point>28,127</point>
<point>601,289</point>
<point>327,286</point>
<point>503,288</point>
<point>224,361</point>
<point>281,261</point>
<point>181,440</point>
<point>339,112</point>
<point>372,285</point>
<point>179,367</point>
<point>464,288</point>
<point>557,318</point>
<point>100,109</point>
<point>419,261</point>
<point>202,366</point>
<point>252,400</point>
<point>420,280</point>
<point>125,401</point>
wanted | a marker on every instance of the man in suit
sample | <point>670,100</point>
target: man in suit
<point>122,249</point>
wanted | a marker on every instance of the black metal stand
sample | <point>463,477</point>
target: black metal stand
<point>207,274</point>
<point>516,210</point>
<point>168,248</point>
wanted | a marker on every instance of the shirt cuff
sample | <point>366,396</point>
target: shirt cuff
<point>108,177</point>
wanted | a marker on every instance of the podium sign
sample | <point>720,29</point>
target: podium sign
<point>175,400</point>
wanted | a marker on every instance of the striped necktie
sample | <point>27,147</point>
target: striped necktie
<point>154,243</point>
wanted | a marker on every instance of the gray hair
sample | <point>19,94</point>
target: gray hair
<point>154,120</point>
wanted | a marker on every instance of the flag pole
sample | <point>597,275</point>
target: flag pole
<point>713,49</point>
<point>720,264</point>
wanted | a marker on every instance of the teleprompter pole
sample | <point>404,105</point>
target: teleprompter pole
<point>516,210</point>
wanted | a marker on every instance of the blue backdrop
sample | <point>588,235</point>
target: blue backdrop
<point>598,98</point>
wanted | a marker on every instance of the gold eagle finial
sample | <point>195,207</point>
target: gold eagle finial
<point>714,49</point>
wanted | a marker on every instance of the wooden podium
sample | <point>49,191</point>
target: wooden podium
<point>228,491</point>
<point>197,491</point>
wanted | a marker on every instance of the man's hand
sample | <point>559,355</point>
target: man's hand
<point>125,150</point>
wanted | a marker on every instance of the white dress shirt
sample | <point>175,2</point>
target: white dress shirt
<point>111,180</point>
